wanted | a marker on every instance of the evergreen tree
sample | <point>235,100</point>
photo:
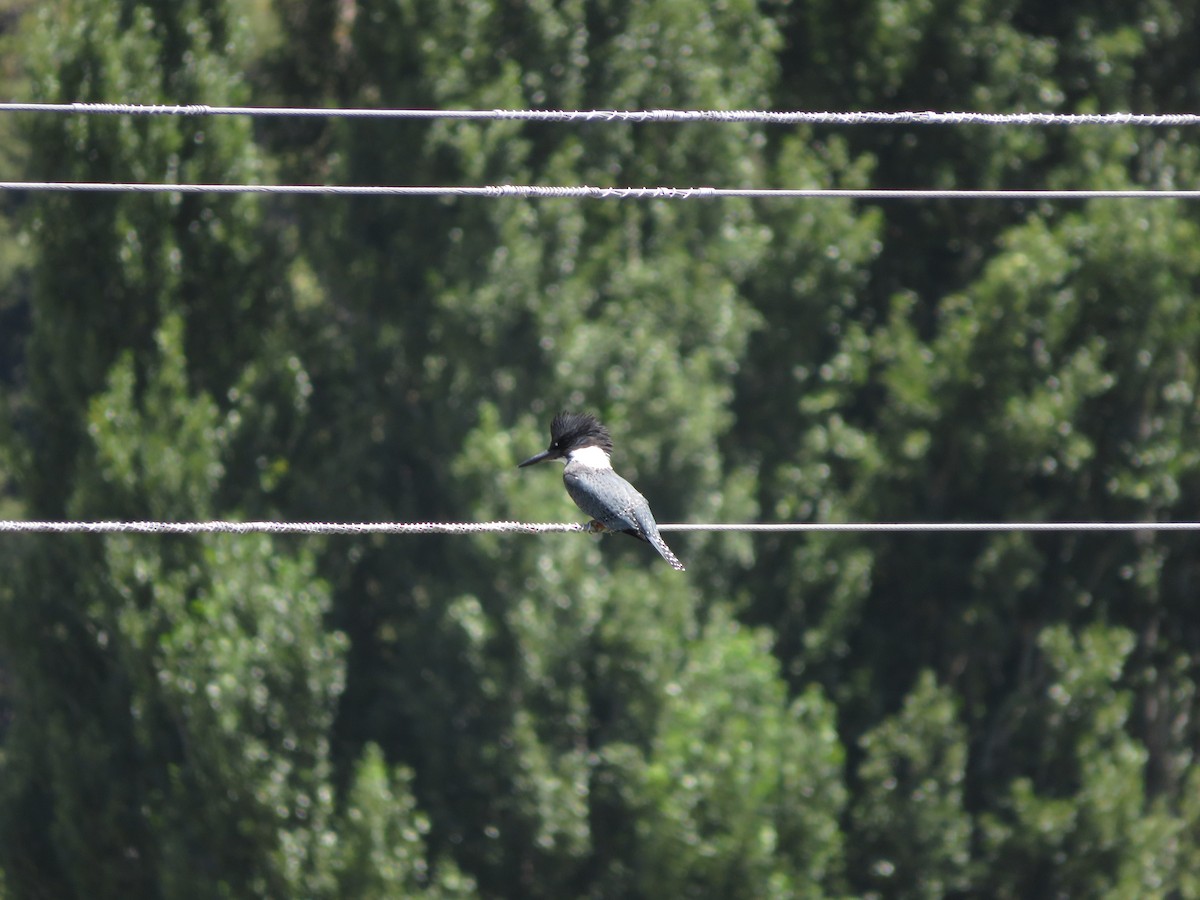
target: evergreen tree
<point>1005,362</point>
<point>1003,714</point>
<point>742,793</point>
<point>912,832</point>
<point>172,699</point>
<point>465,327</point>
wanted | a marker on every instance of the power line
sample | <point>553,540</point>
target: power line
<point>286,527</point>
<point>597,193</point>
<point>898,527</point>
<point>617,115</point>
<point>150,527</point>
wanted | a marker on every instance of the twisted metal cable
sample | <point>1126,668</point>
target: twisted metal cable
<point>150,527</point>
<point>598,193</point>
<point>617,115</point>
<point>287,527</point>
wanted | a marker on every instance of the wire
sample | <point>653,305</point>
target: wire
<point>938,526</point>
<point>287,527</point>
<point>616,115</point>
<point>34,527</point>
<point>595,193</point>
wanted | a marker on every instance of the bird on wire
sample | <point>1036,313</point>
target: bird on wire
<point>580,441</point>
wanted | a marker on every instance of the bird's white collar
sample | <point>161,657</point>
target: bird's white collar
<point>592,457</point>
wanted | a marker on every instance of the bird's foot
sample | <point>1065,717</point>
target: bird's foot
<point>595,527</point>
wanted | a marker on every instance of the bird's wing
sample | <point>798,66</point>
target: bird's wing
<point>616,504</point>
<point>608,498</point>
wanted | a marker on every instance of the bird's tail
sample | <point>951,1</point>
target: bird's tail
<point>664,551</point>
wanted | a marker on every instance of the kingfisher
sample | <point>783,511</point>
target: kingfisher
<point>579,440</point>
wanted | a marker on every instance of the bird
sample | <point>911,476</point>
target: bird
<point>579,440</point>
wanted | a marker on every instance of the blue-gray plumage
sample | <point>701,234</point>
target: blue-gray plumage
<point>612,502</point>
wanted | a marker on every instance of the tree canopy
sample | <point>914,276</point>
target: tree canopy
<point>838,714</point>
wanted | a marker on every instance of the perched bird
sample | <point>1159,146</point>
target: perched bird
<point>585,446</point>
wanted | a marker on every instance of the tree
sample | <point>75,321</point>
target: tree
<point>172,699</point>
<point>913,834</point>
<point>742,792</point>
<point>1081,820</point>
<point>1001,362</point>
<point>462,328</point>
<point>983,713</point>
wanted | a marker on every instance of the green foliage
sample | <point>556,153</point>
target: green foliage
<point>108,268</point>
<point>1082,821</point>
<point>742,792</point>
<point>913,832</point>
<point>189,638</point>
<point>380,840</point>
<point>1005,714</point>
<point>14,253</point>
<point>173,700</point>
<point>186,753</point>
<point>465,320</point>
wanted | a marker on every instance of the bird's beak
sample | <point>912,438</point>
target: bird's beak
<point>541,457</point>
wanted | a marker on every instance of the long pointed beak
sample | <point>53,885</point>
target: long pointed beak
<point>541,457</point>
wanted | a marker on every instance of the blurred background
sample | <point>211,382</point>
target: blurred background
<point>889,715</point>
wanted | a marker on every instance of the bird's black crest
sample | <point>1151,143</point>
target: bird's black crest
<point>579,429</point>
